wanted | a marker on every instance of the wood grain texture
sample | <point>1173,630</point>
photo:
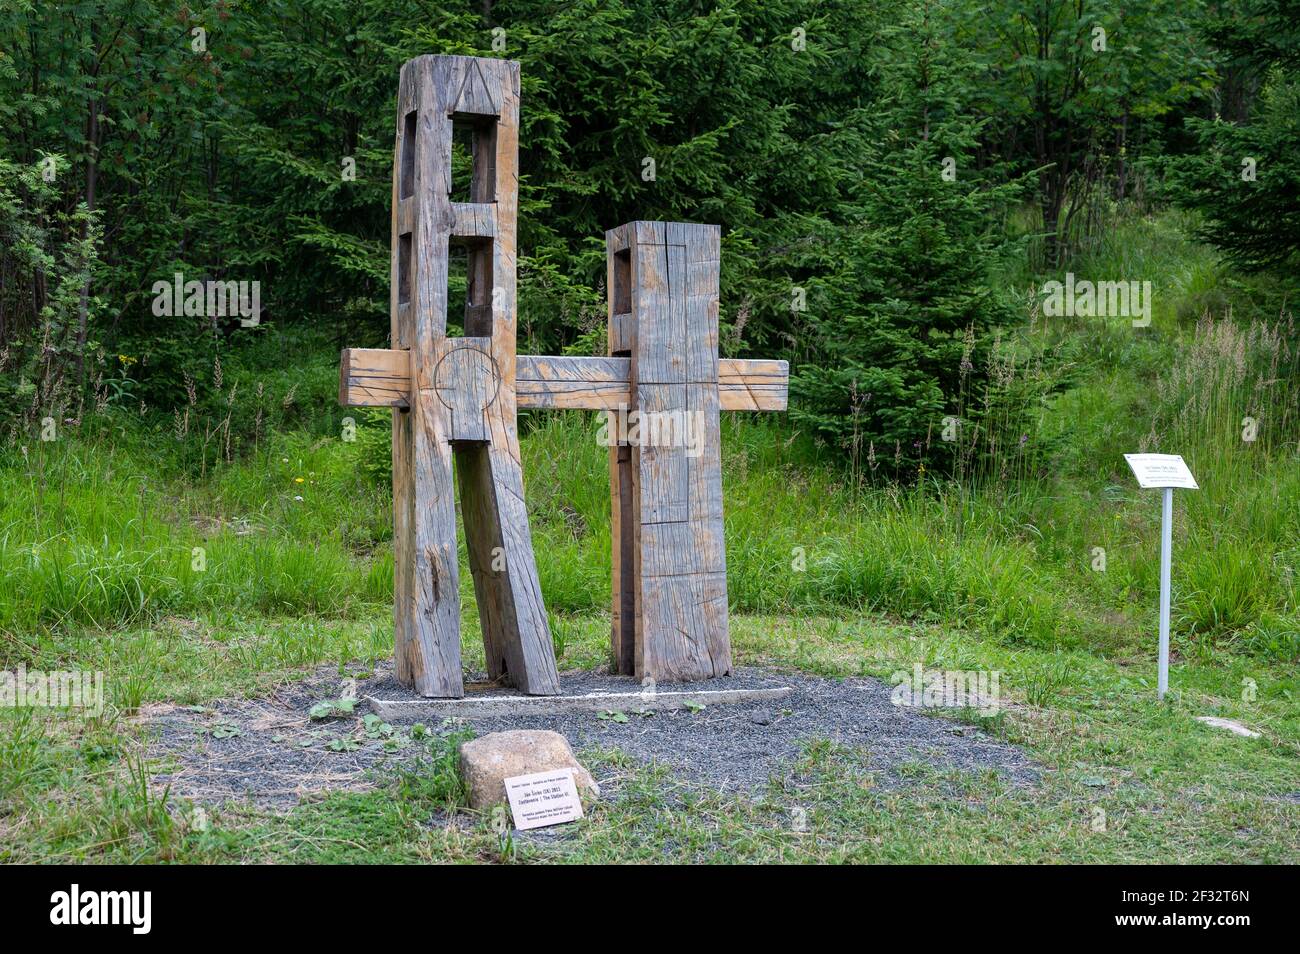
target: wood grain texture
<point>427,607</point>
<point>522,627</point>
<point>474,219</point>
<point>458,392</point>
<point>667,483</point>
<point>374,377</point>
<point>466,380</point>
<point>577,383</point>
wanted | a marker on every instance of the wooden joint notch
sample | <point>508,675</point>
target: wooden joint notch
<point>376,377</point>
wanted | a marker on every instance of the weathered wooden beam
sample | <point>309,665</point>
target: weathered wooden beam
<point>753,384</point>
<point>375,377</point>
<point>600,384</point>
<point>669,584</point>
<point>426,610</point>
<point>591,384</point>
<point>457,391</point>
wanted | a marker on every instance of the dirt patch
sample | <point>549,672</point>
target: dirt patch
<point>271,752</point>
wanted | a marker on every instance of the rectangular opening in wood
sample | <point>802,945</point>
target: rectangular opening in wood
<point>405,249</point>
<point>407,178</point>
<point>469,279</point>
<point>473,158</point>
<point>621,293</point>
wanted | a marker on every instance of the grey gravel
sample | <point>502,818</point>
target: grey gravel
<point>736,748</point>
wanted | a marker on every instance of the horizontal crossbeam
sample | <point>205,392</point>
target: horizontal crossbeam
<point>380,377</point>
<point>375,377</point>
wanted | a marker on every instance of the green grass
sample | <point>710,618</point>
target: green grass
<point>112,545</point>
<point>185,577</point>
<point>1168,786</point>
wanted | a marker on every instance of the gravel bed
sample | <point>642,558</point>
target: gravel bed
<point>269,751</point>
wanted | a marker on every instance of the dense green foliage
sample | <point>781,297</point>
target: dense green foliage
<point>861,159</point>
<point>1245,176</point>
<point>901,306</point>
<point>228,161</point>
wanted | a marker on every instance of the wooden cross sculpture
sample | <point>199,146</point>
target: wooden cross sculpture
<point>458,397</point>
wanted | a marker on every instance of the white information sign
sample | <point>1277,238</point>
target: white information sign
<point>1161,470</point>
<point>1166,472</point>
<point>543,798</point>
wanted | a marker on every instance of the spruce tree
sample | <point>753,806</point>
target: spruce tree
<point>1245,177</point>
<point>898,299</point>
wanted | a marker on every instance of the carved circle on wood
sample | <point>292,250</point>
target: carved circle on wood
<point>466,379</point>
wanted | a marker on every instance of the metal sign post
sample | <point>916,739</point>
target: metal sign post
<point>1166,563</point>
<point>1166,472</point>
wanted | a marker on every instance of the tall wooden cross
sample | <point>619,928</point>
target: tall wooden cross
<point>458,397</point>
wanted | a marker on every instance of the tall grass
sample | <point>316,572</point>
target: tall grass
<point>93,535</point>
<point>99,528</point>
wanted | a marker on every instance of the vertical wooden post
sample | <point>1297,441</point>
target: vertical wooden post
<point>669,562</point>
<point>462,391</point>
